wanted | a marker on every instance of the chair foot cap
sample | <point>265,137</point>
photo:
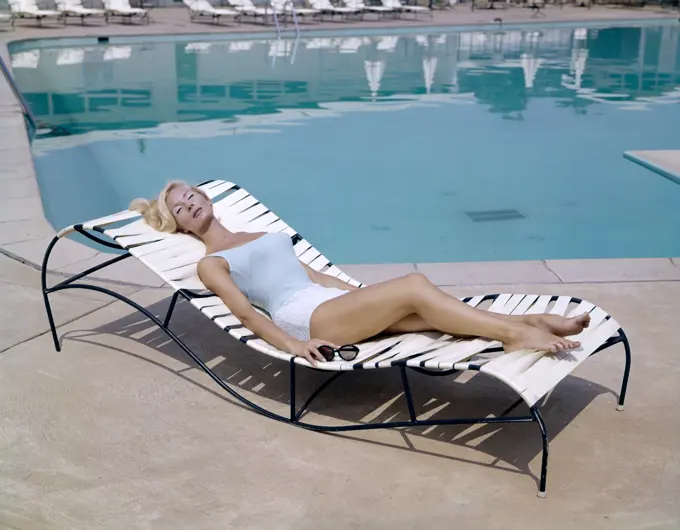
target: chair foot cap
<point>542,494</point>
<point>620,407</point>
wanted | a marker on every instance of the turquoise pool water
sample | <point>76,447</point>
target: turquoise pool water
<point>461,146</point>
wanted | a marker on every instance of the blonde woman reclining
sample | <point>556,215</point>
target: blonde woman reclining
<point>310,309</point>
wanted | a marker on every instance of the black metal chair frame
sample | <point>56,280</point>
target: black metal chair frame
<point>296,412</point>
<point>144,18</point>
<point>216,18</point>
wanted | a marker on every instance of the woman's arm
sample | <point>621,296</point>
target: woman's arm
<point>326,280</point>
<point>214,273</point>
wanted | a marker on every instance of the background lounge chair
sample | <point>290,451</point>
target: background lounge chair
<point>327,8</point>
<point>75,8</point>
<point>203,8</point>
<point>123,9</point>
<point>21,9</point>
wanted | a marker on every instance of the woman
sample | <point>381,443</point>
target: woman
<point>309,309</point>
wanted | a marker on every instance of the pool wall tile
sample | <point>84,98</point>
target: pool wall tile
<point>484,273</point>
<point>615,270</point>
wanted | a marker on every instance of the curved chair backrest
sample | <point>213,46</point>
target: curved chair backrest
<point>117,4</point>
<point>199,5</point>
<point>23,5</point>
<point>69,3</point>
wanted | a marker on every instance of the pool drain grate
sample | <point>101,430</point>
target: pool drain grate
<point>494,215</point>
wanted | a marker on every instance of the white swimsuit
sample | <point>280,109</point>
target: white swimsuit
<point>269,274</point>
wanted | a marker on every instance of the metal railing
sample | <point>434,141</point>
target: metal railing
<point>24,106</point>
<point>276,18</point>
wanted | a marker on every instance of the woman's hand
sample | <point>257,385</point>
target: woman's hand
<point>310,349</point>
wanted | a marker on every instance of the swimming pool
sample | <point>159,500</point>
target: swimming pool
<point>450,146</point>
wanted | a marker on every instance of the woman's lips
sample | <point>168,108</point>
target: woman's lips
<point>197,211</point>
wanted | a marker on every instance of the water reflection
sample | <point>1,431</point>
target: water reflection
<point>137,88</point>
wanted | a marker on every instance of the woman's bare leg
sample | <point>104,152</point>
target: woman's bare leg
<point>364,313</point>
<point>555,324</point>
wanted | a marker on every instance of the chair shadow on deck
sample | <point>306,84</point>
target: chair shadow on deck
<point>361,395</point>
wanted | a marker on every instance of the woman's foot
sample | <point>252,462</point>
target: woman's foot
<point>559,325</point>
<point>533,338</point>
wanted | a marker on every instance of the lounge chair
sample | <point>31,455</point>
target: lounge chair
<point>407,8</point>
<point>6,19</point>
<point>485,4</point>
<point>21,9</point>
<point>75,8</point>
<point>203,8</point>
<point>123,9</point>
<point>327,8</point>
<point>174,257</point>
<point>379,10</point>
<point>247,8</point>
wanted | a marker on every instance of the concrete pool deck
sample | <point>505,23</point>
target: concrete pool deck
<point>119,431</point>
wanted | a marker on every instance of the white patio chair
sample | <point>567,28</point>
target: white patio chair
<point>200,9</point>
<point>75,8</point>
<point>23,9</point>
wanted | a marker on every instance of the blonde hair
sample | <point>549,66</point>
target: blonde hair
<point>156,212</point>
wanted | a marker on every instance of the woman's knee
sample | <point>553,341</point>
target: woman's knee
<point>416,282</point>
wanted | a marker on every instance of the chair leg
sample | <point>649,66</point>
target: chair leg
<point>536,414</point>
<point>407,393</point>
<point>50,318</point>
<point>43,281</point>
<point>292,390</point>
<point>171,308</point>
<point>626,372</point>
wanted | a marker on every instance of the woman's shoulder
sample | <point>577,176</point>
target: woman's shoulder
<point>211,262</point>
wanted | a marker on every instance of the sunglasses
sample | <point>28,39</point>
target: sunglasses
<point>347,352</point>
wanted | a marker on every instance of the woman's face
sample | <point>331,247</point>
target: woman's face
<point>191,210</point>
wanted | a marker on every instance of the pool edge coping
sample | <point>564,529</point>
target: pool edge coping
<point>659,270</point>
<point>648,164</point>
